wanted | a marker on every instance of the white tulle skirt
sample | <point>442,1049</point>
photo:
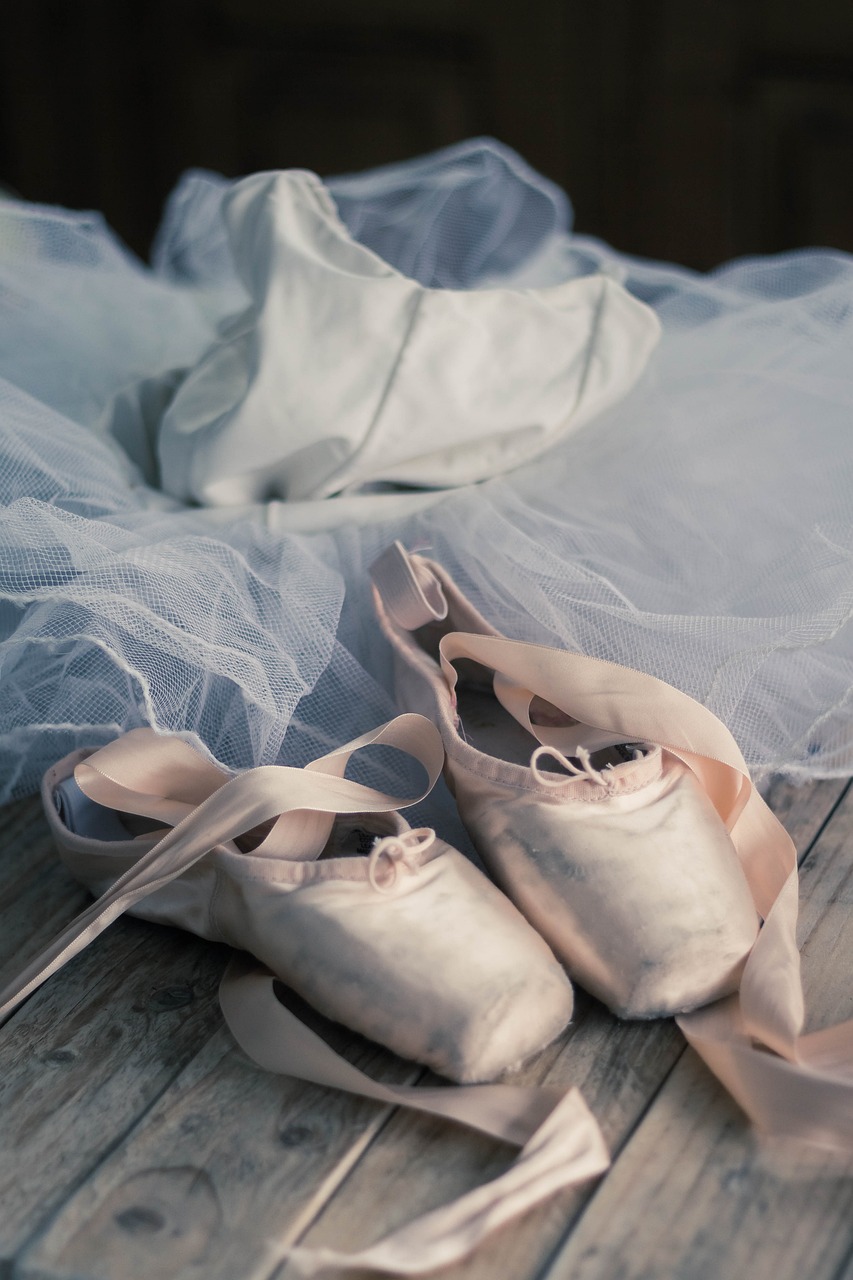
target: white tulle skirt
<point>701,529</point>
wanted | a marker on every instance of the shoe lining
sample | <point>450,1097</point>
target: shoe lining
<point>84,817</point>
<point>488,727</point>
<point>355,836</point>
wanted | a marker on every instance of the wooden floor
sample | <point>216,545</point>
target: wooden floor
<point>136,1141</point>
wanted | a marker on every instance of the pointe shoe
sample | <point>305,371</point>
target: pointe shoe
<point>385,929</point>
<point>577,783</point>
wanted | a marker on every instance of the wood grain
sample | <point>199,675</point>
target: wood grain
<point>419,1164</point>
<point>224,1170</point>
<point>88,1054</point>
<point>90,1051</point>
<point>37,895</point>
<point>804,809</point>
<point>140,1142</point>
<point>25,841</point>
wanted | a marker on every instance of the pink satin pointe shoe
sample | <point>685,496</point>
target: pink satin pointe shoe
<point>385,929</point>
<point>578,785</point>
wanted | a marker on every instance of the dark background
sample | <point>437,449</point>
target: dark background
<point>682,129</point>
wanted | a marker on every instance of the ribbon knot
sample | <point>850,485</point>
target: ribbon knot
<point>406,850</point>
<point>586,769</point>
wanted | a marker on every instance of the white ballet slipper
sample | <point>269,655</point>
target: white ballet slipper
<point>620,859</point>
<point>383,928</point>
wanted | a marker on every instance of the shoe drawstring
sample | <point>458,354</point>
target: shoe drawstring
<point>585,771</point>
<point>405,849</point>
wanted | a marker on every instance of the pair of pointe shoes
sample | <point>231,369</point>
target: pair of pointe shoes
<point>610,854</point>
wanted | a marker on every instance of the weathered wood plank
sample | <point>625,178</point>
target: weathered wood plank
<point>37,895</point>
<point>88,1054</point>
<point>24,840</point>
<point>419,1164</point>
<point>804,809</point>
<point>618,1066</point>
<point>231,1159</point>
<point>228,1166</point>
<point>93,1048</point>
<point>696,1192</point>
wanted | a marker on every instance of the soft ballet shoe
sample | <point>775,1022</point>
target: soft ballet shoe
<point>568,776</point>
<point>385,929</point>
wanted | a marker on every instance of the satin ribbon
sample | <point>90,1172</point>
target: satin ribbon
<point>561,1141</point>
<point>788,1083</point>
<point>163,778</point>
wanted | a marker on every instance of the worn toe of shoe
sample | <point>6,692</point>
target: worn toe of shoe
<point>442,969</point>
<point>641,894</point>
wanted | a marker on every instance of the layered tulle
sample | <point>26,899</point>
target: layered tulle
<point>699,530</point>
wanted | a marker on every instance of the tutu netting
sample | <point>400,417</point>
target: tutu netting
<point>699,529</point>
